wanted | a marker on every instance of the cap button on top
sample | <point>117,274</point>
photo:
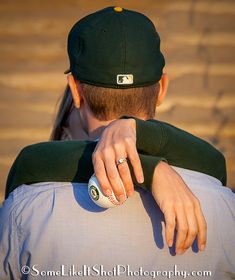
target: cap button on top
<point>118,9</point>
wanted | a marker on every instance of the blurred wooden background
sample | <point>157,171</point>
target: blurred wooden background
<point>198,40</point>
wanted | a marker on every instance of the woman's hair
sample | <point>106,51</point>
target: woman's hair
<point>108,103</point>
<point>65,108</point>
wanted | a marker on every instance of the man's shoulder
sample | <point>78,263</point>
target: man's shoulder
<point>51,161</point>
<point>26,193</point>
<point>208,189</point>
<point>30,204</point>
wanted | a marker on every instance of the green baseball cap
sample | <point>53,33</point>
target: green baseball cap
<point>115,48</point>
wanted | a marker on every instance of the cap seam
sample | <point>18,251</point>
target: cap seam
<point>116,85</point>
<point>123,44</point>
<point>124,35</point>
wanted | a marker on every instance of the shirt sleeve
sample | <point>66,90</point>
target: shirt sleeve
<point>71,161</point>
<point>9,247</point>
<point>148,164</point>
<point>64,161</point>
<point>180,148</point>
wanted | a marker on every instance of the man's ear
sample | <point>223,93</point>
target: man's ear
<point>75,90</point>
<point>163,88</point>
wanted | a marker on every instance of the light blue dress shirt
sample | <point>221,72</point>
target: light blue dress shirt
<point>54,230</point>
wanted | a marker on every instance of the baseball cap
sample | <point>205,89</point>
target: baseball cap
<point>115,48</point>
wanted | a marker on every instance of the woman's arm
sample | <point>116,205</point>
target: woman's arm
<point>122,138</point>
<point>180,148</point>
<point>161,140</point>
<point>63,161</point>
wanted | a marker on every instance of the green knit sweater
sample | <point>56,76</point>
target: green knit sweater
<point>71,161</point>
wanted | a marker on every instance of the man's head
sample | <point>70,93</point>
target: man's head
<point>116,64</point>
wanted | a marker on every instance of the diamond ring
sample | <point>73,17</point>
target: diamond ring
<point>121,160</point>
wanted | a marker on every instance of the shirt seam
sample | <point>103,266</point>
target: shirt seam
<point>16,239</point>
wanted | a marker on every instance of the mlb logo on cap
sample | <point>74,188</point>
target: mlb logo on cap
<point>125,79</point>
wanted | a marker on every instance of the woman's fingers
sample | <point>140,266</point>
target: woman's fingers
<point>101,175</point>
<point>122,152</point>
<point>202,227</point>
<point>169,215</point>
<point>192,225</point>
<point>133,156</point>
<point>182,228</point>
<point>180,216</point>
<point>113,175</point>
<point>125,176</point>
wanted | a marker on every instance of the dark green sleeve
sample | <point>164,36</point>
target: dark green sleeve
<point>70,161</point>
<point>64,161</point>
<point>180,148</point>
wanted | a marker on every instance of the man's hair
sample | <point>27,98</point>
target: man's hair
<point>109,103</point>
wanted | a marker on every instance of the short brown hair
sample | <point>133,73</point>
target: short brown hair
<point>109,103</point>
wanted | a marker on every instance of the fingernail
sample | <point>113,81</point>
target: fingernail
<point>141,179</point>
<point>122,198</point>
<point>130,193</point>
<point>202,247</point>
<point>108,192</point>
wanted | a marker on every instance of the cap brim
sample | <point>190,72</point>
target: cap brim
<point>67,71</point>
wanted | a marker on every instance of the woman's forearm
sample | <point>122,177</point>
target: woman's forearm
<point>180,148</point>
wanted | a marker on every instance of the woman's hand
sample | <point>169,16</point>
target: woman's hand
<point>118,141</point>
<point>180,207</point>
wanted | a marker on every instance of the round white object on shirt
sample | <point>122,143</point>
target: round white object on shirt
<point>97,195</point>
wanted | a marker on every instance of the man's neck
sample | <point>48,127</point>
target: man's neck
<point>94,127</point>
<point>85,126</point>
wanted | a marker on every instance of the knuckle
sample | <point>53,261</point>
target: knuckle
<point>170,224</point>
<point>117,145</point>
<point>179,204</point>
<point>112,176</point>
<point>183,229</point>
<point>192,232</point>
<point>167,209</point>
<point>167,205</point>
<point>106,152</point>
<point>128,140</point>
